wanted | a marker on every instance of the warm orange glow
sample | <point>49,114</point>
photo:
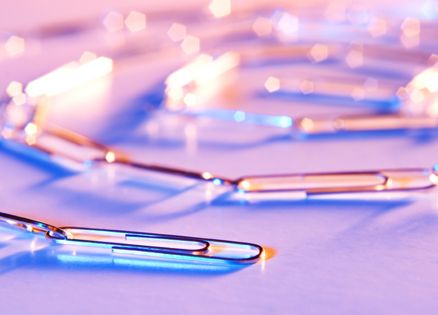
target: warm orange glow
<point>110,157</point>
<point>244,185</point>
<point>417,97</point>
<point>186,74</point>
<point>173,96</point>
<point>427,79</point>
<point>318,53</point>
<point>88,99</point>
<point>272,84</point>
<point>176,83</point>
<point>207,175</point>
<point>433,178</point>
<point>68,77</point>
<point>135,21</point>
<point>266,254</point>
<point>31,131</point>
<point>190,100</point>
<point>217,67</point>
<point>411,29</point>
<point>421,94</point>
<point>192,84</point>
<point>14,88</point>
<point>220,8</point>
<point>307,124</point>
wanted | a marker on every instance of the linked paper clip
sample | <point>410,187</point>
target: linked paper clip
<point>387,184</point>
<point>143,245</point>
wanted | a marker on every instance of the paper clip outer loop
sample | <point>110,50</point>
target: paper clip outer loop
<point>201,253</point>
<point>65,236</point>
<point>390,180</point>
<point>204,251</point>
<point>30,225</point>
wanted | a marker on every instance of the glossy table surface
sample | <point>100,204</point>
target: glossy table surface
<point>330,256</point>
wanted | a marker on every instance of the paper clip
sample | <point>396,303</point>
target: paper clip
<point>417,100</point>
<point>85,152</point>
<point>386,183</point>
<point>139,244</point>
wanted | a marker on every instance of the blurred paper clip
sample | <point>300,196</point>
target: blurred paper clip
<point>143,245</point>
<point>380,183</point>
<point>190,89</point>
<point>19,122</point>
<point>74,150</point>
<point>251,188</point>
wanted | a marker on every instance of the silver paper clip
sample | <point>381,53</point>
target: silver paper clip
<point>374,184</point>
<point>417,99</point>
<point>139,244</point>
<point>85,152</point>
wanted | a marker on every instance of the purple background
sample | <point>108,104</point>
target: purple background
<point>343,257</point>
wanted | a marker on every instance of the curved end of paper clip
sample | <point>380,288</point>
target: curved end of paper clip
<point>160,246</point>
<point>135,245</point>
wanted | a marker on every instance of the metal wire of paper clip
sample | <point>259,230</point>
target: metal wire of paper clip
<point>373,184</point>
<point>417,101</point>
<point>253,188</point>
<point>74,150</point>
<point>139,244</point>
<point>270,24</point>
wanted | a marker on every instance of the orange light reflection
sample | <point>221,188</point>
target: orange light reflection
<point>69,76</point>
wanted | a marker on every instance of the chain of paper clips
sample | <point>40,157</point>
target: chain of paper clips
<point>27,104</point>
<point>21,114</point>
<point>143,244</point>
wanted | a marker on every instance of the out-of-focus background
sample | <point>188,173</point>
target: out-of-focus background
<point>343,256</point>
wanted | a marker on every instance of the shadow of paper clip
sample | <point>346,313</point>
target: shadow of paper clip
<point>146,245</point>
